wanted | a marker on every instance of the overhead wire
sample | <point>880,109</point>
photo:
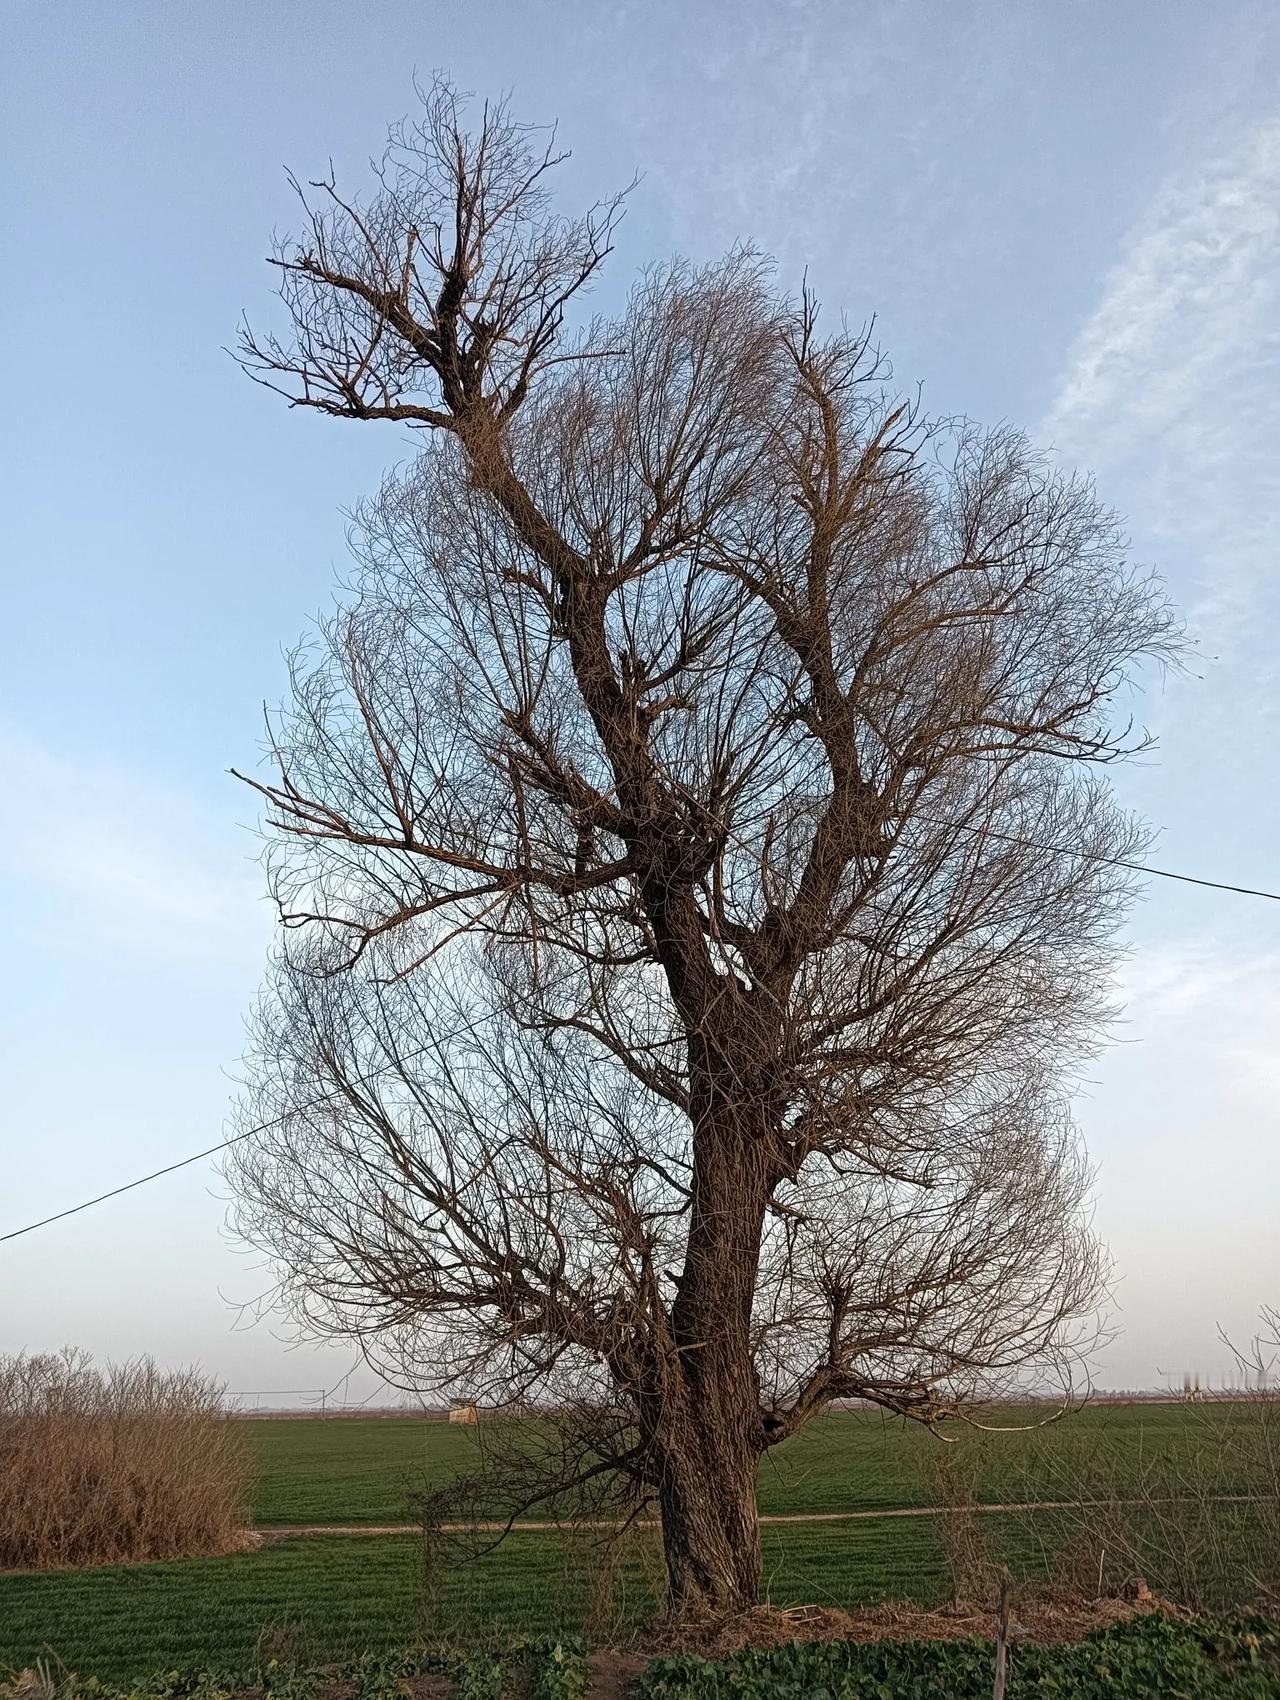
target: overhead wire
<point>1004,838</point>
<point>115,1192</point>
<point>1119,862</point>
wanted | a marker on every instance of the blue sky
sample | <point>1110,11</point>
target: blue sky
<point>1065,216</point>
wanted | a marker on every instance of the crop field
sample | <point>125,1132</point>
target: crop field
<point>373,1472</point>
<point>327,1598</point>
<point>315,1598</point>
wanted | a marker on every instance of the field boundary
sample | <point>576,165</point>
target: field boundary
<point>295,1531</point>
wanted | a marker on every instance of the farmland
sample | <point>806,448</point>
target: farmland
<point>319,1598</point>
<point>369,1472</point>
<point>329,1598</point>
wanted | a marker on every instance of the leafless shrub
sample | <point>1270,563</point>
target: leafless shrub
<point>115,1465</point>
<point>1262,1461</point>
<point>566,1467</point>
<point>627,1583</point>
<point>1194,1514</point>
<point>952,1473</point>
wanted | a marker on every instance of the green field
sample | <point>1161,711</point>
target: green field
<point>373,1471</point>
<point>319,1598</point>
<point>325,1598</point>
<point>352,1471</point>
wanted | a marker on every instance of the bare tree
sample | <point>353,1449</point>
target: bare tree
<point>694,870</point>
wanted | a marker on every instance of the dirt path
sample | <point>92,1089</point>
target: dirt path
<point>291,1531</point>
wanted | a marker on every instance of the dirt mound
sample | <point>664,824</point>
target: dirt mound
<point>1046,1621</point>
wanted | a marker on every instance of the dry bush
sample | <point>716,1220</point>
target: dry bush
<point>107,1466</point>
<point>1196,1518</point>
<point>952,1474</point>
<point>626,1581</point>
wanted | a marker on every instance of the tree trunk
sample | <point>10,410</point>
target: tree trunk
<point>710,1527</point>
<point>711,1435</point>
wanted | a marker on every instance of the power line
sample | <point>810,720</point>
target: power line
<point>1002,837</point>
<point>1118,862</point>
<point>75,1209</point>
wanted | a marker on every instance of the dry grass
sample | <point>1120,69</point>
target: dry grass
<point>952,1475</point>
<point>114,1466</point>
<point>1045,1621</point>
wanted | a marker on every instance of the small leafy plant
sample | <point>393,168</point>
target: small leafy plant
<point>1150,1658</point>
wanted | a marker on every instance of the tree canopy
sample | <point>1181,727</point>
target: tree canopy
<point>697,871</point>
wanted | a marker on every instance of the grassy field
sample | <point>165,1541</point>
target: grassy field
<point>315,1598</point>
<point>372,1472</point>
<point>318,1599</point>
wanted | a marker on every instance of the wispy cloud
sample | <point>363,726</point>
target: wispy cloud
<point>1214,1002</point>
<point>1173,385</point>
<point>98,853</point>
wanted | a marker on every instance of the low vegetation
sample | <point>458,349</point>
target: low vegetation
<point>318,1600</point>
<point>539,1668</point>
<point>1148,1658</point>
<point>116,1465</point>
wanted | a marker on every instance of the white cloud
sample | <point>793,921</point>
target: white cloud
<point>1173,385</point>
<point>1214,1002</point>
<point>95,851</point>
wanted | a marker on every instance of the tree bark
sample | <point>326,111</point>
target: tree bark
<point>712,1438</point>
<point>710,1526</point>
